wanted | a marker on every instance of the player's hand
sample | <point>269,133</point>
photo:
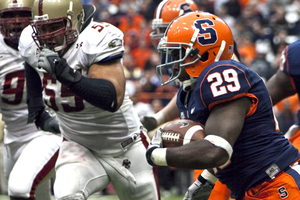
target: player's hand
<point>156,142</point>
<point>48,60</point>
<point>58,67</point>
<point>148,122</point>
<point>199,190</point>
<point>47,123</point>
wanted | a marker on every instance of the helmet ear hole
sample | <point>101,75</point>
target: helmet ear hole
<point>204,57</point>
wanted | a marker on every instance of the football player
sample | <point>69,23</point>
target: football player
<point>243,146</point>
<point>285,83</point>
<point>166,11</point>
<point>29,152</point>
<point>79,66</point>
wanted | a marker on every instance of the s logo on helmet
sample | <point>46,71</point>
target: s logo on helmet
<point>184,8</point>
<point>208,34</point>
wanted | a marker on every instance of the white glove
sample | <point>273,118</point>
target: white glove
<point>201,188</point>
<point>156,142</point>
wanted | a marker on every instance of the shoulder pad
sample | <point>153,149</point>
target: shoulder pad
<point>101,38</point>
<point>225,80</point>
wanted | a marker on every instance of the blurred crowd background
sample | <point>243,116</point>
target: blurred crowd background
<point>261,29</point>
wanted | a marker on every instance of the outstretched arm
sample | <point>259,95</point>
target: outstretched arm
<point>280,87</point>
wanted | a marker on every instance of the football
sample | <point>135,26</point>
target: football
<point>180,132</point>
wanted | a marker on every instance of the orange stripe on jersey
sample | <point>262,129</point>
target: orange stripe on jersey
<point>253,107</point>
<point>253,98</point>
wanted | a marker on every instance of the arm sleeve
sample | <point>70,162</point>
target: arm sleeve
<point>34,93</point>
<point>98,92</point>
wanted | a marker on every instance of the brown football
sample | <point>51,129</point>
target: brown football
<point>180,132</point>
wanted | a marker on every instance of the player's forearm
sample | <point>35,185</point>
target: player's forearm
<point>170,111</point>
<point>98,92</point>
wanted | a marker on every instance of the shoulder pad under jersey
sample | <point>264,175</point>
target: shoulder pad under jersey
<point>289,59</point>
<point>101,38</point>
<point>27,47</point>
<point>225,80</point>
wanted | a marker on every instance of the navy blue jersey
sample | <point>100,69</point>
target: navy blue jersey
<point>260,143</point>
<point>291,66</point>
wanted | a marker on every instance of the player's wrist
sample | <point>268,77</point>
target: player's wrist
<point>159,117</point>
<point>65,74</point>
<point>157,156</point>
<point>209,176</point>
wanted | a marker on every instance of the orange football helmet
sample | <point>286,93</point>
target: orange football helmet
<point>15,15</point>
<point>166,11</point>
<point>194,41</point>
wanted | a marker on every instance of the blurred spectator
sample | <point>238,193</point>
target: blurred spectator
<point>147,9</point>
<point>206,5</point>
<point>131,20</point>
<point>134,91</point>
<point>233,7</point>
<point>292,11</point>
<point>142,53</point>
<point>246,47</point>
<point>131,71</point>
<point>223,14</point>
<point>152,61</point>
<point>286,118</point>
<point>277,16</point>
<point>259,64</point>
<point>157,105</point>
<point>280,38</point>
<point>262,34</point>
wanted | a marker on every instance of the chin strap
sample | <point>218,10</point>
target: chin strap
<point>189,84</point>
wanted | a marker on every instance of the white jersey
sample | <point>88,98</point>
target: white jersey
<point>99,130</point>
<point>13,97</point>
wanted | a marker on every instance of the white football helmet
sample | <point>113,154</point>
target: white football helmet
<point>67,14</point>
<point>15,15</point>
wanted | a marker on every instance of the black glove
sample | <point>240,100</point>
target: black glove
<point>47,123</point>
<point>148,122</point>
<point>58,67</point>
<point>199,190</point>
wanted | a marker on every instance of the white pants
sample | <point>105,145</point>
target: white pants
<point>78,170</point>
<point>29,166</point>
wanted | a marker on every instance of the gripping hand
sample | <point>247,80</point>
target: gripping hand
<point>48,60</point>
<point>58,67</point>
<point>148,122</point>
<point>199,190</point>
<point>47,123</point>
<point>156,142</point>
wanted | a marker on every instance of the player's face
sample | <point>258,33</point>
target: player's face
<point>183,75</point>
<point>51,34</point>
<point>13,22</point>
<point>176,67</point>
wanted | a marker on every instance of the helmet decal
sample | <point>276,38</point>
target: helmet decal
<point>208,35</point>
<point>184,8</point>
<point>40,9</point>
